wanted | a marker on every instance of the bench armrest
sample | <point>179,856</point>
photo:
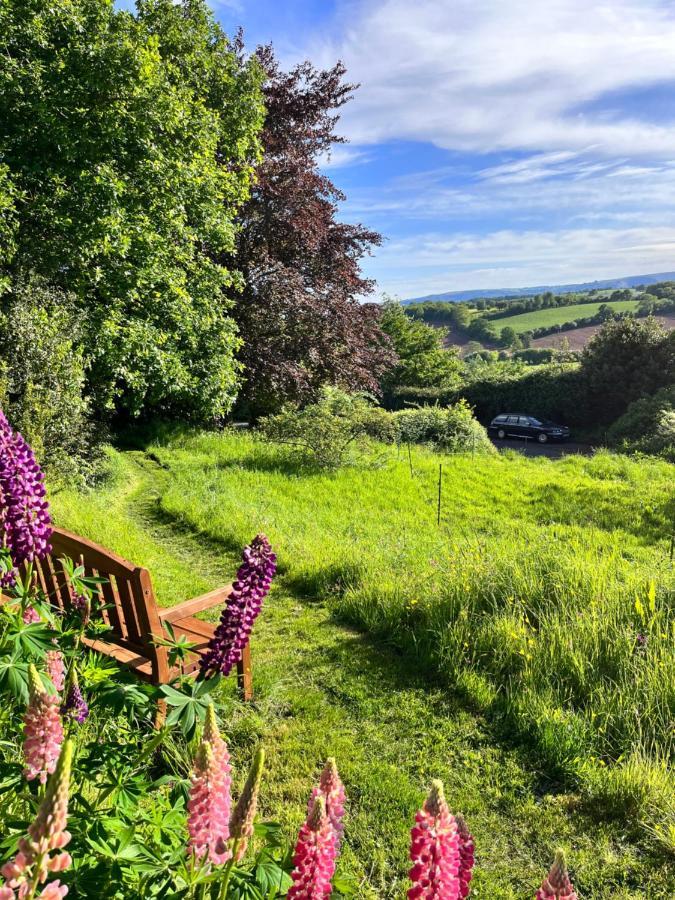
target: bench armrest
<point>197,604</point>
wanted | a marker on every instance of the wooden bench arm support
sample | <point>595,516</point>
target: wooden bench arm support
<point>196,605</point>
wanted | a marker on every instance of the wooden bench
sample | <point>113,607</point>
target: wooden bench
<point>132,613</point>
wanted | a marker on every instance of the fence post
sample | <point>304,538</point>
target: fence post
<point>410,459</point>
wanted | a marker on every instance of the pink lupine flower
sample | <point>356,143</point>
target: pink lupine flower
<point>243,606</point>
<point>243,815</point>
<point>43,731</point>
<point>434,850</point>
<point>332,790</point>
<point>34,862</point>
<point>557,885</point>
<point>210,801</point>
<point>315,856</point>
<point>30,615</point>
<point>56,669</point>
<point>466,856</point>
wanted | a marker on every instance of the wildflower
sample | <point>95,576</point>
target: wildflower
<point>434,850</point>
<point>34,862</point>
<point>25,524</point>
<point>466,856</point>
<point>56,669</point>
<point>75,707</point>
<point>641,642</point>
<point>557,885</point>
<point>314,857</point>
<point>82,604</point>
<point>333,791</point>
<point>43,731</point>
<point>243,816</point>
<point>30,615</point>
<point>209,801</point>
<point>244,604</point>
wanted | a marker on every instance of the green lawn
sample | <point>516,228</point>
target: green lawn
<point>498,651</point>
<point>544,318</point>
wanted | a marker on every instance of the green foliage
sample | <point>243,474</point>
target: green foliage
<point>625,361</point>
<point>42,371</point>
<point>452,429</point>
<point>129,140</point>
<point>423,361</point>
<point>323,433</point>
<point>647,425</point>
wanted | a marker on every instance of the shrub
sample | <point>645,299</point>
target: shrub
<point>648,425</point>
<point>324,432</point>
<point>453,428</point>
<point>42,375</point>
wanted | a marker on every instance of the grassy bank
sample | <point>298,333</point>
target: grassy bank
<point>545,597</point>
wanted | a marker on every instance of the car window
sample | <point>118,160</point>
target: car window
<point>523,420</point>
<point>512,420</point>
<point>535,421</point>
<point>500,419</point>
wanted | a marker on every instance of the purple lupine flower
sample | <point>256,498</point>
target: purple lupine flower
<point>25,524</point>
<point>75,707</point>
<point>244,604</point>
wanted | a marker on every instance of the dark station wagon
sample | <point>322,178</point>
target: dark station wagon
<point>522,426</point>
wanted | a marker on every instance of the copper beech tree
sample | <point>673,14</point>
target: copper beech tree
<point>301,313</point>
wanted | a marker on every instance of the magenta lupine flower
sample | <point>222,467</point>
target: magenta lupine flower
<point>314,857</point>
<point>332,790</point>
<point>466,856</point>
<point>43,731</point>
<point>243,606</point>
<point>209,802</point>
<point>46,835</point>
<point>243,815</point>
<point>24,513</point>
<point>56,669</point>
<point>75,707</point>
<point>434,850</point>
<point>557,885</point>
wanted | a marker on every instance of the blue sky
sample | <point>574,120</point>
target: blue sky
<point>496,143</point>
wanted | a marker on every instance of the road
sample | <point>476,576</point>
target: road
<point>551,449</point>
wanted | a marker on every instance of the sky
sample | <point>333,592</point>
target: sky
<point>495,143</point>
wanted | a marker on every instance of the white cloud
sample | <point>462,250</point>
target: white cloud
<point>485,75</point>
<point>508,258</point>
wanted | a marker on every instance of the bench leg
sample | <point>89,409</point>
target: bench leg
<point>245,675</point>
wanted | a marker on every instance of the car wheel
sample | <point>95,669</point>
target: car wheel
<point>501,434</point>
<point>542,438</point>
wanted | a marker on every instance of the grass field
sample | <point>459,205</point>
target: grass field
<point>544,318</point>
<point>522,650</point>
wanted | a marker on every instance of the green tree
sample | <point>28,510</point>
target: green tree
<point>128,141</point>
<point>626,360</point>
<point>423,361</point>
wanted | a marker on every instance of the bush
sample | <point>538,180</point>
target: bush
<point>453,428</point>
<point>648,425</point>
<point>325,432</point>
<point>42,375</point>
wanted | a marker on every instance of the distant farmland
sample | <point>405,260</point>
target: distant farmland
<point>545,318</point>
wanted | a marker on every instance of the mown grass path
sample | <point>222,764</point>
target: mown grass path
<point>323,689</point>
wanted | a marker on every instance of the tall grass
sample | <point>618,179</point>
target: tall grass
<point>546,595</point>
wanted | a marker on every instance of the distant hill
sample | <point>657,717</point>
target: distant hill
<point>611,283</point>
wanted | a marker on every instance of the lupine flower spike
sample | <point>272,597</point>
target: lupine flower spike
<point>209,801</point>
<point>333,792</point>
<point>243,606</point>
<point>243,815</point>
<point>466,856</point>
<point>315,856</point>
<point>557,885</point>
<point>43,731</point>
<point>56,669</point>
<point>34,862</point>
<point>434,850</point>
<point>75,707</point>
<point>25,525</point>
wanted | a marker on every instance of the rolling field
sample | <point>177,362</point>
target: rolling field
<point>545,318</point>
<point>522,650</point>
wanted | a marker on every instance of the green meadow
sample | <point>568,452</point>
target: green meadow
<point>522,649</point>
<point>544,318</point>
